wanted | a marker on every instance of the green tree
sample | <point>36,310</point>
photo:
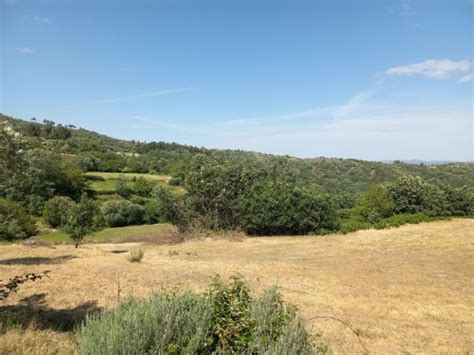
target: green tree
<point>122,213</point>
<point>375,204</point>
<point>408,193</point>
<point>56,209</point>
<point>15,223</point>
<point>82,219</point>
<point>213,189</point>
<point>121,186</point>
<point>285,209</point>
<point>164,206</point>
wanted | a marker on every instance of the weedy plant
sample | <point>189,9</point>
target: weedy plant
<point>226,319</point>
<point>136,255</point>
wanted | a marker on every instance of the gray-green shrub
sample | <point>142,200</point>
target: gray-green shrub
<point>136,255</point>
<point>225,319</point>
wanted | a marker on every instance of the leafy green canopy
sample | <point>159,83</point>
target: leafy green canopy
<point>82,219</point>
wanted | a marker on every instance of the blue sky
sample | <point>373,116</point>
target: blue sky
<point>374,80</point>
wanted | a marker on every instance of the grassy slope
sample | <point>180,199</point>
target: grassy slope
<point>406,289</point>
<point>114,235</point>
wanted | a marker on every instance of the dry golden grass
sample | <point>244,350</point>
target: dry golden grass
<point>408,290</point>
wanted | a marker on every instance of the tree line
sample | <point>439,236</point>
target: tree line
<point>221,194</point>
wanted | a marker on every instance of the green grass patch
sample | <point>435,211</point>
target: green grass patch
<point>116,235</point>
<point>128,176</point>
<point>104,183</point>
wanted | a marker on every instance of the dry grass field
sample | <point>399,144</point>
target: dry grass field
<point>407,290</point>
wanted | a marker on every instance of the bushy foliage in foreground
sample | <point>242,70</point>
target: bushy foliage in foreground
<point>224,320</point>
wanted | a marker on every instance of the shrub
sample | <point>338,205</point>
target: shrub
<point>55,210</point>
<point>121,213</point>
<point>121,186</point>
<point>176,181</point>
<point>460,201</point>
<point>164,206</point>
<point>280,208</point>
<point>142,187</point>
<point>15,222</point>
<point>352,224</point>
<point>375,204</point>
<point>223,320</point>
<point>400,219</point>
<point>136,255</point>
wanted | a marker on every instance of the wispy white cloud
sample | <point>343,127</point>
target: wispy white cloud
<point>132,97</point>
<point>404,8</point>
<point>290,116</point>
<point>372,129</point>
<point>432,68</point>
<point>43,20</point>
<point>125,68</point>
<point>22,50</point>
<point>466,78</point>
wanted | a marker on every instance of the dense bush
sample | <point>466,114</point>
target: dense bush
<point>55,210</point>
<point>176,181</point>
<point>460,201</point>
<point>352,224</point>
<point>375,204</point>
<point>400,219</point>
<point>121,213</point>
<point>224,320</point>
<point>15,223</point>
<point>412,194</point>
<point>164,206</point>
<point>285,209</point>
<point>214,189</point>
<point>142,187</point>
<point>121,186</point>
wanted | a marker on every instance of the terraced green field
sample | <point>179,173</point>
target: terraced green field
<point>105,183</point>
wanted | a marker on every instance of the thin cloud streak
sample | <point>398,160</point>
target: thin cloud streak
<point>466,78</point>
<point>43,20</point>
<point>432,68</point>
<point>132,97</point>
<point>22,50</point>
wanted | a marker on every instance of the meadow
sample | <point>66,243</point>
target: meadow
<point>104,183</point>
<point>403,290</point>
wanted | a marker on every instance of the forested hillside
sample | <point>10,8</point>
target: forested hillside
<point>97,152</point>
<point>80,181</point>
